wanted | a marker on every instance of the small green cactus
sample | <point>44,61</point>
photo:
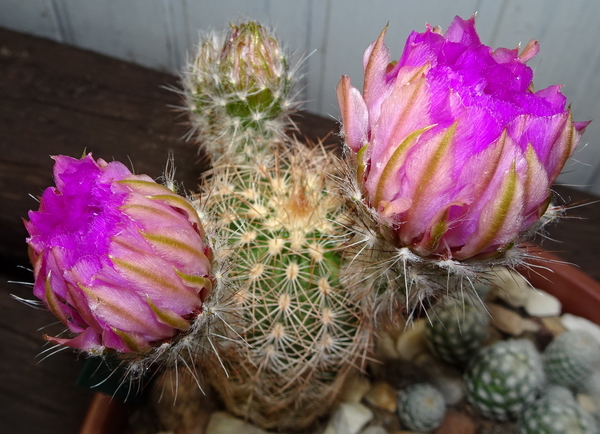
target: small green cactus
<point>556,413</point>
<point>456,330</point>
<point>504,378</point>
<point>421,407</point>
<point>280,261</point>
<point>571,358</point>
<point>239,91</point>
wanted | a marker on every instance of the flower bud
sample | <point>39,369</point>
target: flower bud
<point>240,92</point>
<point>455,151</point>
<point>120,260</point>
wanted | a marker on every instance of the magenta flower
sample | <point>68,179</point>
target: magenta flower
<point>455,151</point>
<point>118,258</point>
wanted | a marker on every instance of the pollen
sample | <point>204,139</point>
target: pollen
<point>276,246</point>
<point>292,271</point>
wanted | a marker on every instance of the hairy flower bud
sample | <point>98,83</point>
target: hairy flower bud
<point>118,259</point>
<point>455,151</point>
<point>251,61</point>
<point>240,92</point>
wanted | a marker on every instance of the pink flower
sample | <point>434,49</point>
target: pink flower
<point>455,151</point>
<point>118,258</point>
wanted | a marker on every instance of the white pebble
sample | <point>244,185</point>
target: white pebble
<point>349,418</point>
<point>540,303</point>
<point>412,343</point>
<point>511,287</point>
<point>355,389</point>
<point>374,430</point>
<point>222,422</point>
<point>384,396</point>
<point>587,403</point>
<point>447,379</point>
<point>508,321</point>
<point>574,322</point>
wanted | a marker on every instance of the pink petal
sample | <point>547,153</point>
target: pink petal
<point>355,117</point>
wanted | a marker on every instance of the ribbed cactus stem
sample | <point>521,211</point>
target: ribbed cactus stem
<point>293,332</point>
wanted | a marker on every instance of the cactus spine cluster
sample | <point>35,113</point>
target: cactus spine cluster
<point>290,332</point>
<point>421,407</point>
<point>571,359</point>
<point>504,378</point>
<point>458,328</point>
<point>556,413</point>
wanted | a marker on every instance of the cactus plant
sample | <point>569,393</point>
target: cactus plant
<point>457,329</point>
<point>504,378</point>
<point>239,91</point>
<point>280,261</point>
<point>571,358</point>
<point>556,412</point>
<point>421,407</point>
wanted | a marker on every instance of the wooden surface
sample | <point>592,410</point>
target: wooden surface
<point>56,99</point>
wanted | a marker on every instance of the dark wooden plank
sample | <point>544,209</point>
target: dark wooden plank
<point>36,394</point>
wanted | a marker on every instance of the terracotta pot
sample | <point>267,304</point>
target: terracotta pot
<point>578,293</point>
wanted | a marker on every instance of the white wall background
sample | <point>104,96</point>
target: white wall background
<point>160,33</point>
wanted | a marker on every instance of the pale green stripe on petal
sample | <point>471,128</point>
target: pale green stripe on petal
<point>395,162</point>
<point>151,277</point>
<point>361,164</point>
<point>500,212</point>
<point>432,165</point>
<point>146,188</point>
<point>184,204</point>
<point>135,343</point>
<point>53,303</point>
<point>175,244</point>
<point>197,282</point>
<point>168,317</point>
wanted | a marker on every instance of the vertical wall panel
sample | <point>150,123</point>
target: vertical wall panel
<point>318,25</point>
<point>30,16</point>
<point>161,33</point>
<point>134,30</point>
